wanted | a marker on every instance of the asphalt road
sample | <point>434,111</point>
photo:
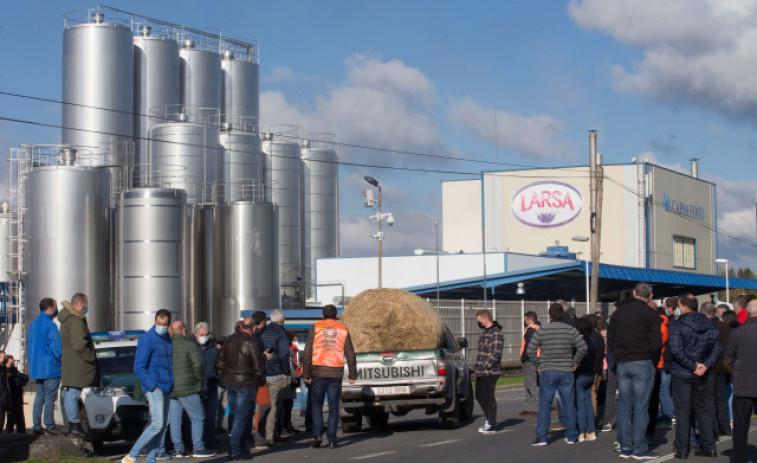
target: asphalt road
<point>417,437</point>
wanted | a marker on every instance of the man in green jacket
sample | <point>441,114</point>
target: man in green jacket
<point>188,378</point>
<point>79,363</point>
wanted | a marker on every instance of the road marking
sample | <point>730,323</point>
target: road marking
<point>374,455</point>
<point>442,442</point>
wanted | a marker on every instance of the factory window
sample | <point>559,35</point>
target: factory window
<point>684,252</point>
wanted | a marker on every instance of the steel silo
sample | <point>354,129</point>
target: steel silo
<point>69,238</point>
<point>151,256</point>
<point>242,164</point>
<point>199,263</point>
<point>320,192</point>
<point>244,262</point>
<point>200,77</point>
<point>156,86</point>
<point>241,88</point>
<point>283,174</point>
<point>98,81</point>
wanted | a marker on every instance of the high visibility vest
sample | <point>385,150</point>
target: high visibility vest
<point>328,344</point>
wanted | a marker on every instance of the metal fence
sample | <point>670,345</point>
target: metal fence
<point>460,317</point>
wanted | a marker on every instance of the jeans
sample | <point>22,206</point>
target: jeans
<point>193,406</point>
<point>551,382</point>
<point>319,388</point>
<point>635,381</point>
<point>689,399</point>
<point>155,433</point>
<point>666,400</point>
<point>485,387</point>
<point>210,404</point>
<point>242,404</point>
<point>47,391</point>
<point>71,404</point>
<point>531,385</point>
<point>584,407</point>
<point>742,416</point>
<point>717,402</point>
<point>276,385</point>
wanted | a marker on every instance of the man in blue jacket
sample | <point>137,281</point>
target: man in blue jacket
<point>45,352</point>
<point>277,371</point>
<point>154,370</point>
<point>694,344</point>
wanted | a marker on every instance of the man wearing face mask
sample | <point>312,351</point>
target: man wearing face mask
<point>208,350</point>
<point>487,368</point>
<point>80,368</point>
<point>44,364</point>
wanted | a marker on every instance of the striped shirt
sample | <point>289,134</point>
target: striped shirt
<point>562,347</point>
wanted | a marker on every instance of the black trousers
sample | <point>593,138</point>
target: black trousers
<point>654,403</point>
<point>611,404</point>
<point>690,400</point>
<point>717,402</point>
<point>742,416</point>
<point>15,418</point>
<point>485,387</point>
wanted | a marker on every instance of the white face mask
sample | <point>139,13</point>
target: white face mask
<point>203,340</point>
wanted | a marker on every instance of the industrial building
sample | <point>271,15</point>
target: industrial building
<point>165,192</point>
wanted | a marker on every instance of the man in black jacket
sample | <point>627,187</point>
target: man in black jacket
<point>241,364</point>
<point>277,369</point>
<point>208,349</point>
<point>635,341</point>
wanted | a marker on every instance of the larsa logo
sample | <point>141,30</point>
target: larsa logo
<point>547,204</point>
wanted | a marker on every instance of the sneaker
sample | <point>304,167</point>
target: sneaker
<point>646,456</point>
<point>616,446</point>
<point>625,454</point>
<point>203,453</point>
<point>261,446</point>
<point>590,436</point>
<point>127,459</point>
<point>538,443</point>
<point>607,428</point>
<point>487,429</point>
<point>557,427</point>
<point>182,454</point>
<point>665,424</point>
<point>485,426</point>
<point>570,442</point>
<point>164,456</point>
<point>581,437</point>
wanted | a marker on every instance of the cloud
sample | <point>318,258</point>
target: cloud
<point>538,136</point>
<point>667,146</point>
<point>280,74</point>
<point>695,52</point>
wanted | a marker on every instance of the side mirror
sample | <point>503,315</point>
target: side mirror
<point>463,343</point>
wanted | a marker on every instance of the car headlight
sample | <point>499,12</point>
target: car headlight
<point>107,392</point>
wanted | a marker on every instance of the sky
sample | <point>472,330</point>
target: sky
<point>441,90</point>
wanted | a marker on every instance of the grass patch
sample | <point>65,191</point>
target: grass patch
<point>69,459</point>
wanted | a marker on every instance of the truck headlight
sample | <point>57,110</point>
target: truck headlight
<point>108,392</point>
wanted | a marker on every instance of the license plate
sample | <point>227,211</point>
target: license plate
<point>391,390</point>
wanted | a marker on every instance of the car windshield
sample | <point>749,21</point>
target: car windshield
<point>117,366</point>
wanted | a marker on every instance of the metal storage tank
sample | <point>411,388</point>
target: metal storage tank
<point>191,151</point>
<point>241,87</point>
<point>8,246</point>
<point>69,239</point>
<point>98,77</point>
<point>199,263</point>
<point>320,191</point>
<point>156,86</point>
<point>242,163</point>
<point>151,256</point>
<point>283,174</point>
<point>244,262</point>
<point>200,77</point>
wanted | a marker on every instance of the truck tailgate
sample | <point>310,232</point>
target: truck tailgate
<point>396,373</point>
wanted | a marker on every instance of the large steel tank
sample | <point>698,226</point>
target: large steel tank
<point>242,163</point>
<point>69,239</point>
<point>151,256</point>
<point>240,92</point>
<point>200,77</point>
<point>98,79</point>
<point>244,262</point>
<point>199,263</point>
<point>190,150</point>
<point>156,86</point>
<point>320,192</point>
<point>283,174</point>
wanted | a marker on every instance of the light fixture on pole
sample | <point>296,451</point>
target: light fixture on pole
<point>727,289</point>
<point>379,217</point>
<point>585,239</point>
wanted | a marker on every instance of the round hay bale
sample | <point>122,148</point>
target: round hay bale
<point>387,320</point>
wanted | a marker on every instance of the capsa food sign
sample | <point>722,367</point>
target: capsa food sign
<point>547,204</point>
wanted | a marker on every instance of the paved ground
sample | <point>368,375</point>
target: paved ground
<point>417,437</point>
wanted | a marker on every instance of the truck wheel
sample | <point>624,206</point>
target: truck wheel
<point>451,420</point>
<point>352,422</point>
<point>466,413</point>
<point>378,418</point>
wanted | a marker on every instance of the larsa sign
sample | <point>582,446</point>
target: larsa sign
<point>547,204</point>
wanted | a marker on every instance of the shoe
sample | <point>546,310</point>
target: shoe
<point>486,425</point>
<point>646,456</point>
<point>77,430</point>
<point>166,455</point>
<point>625,454</point>
<point>39,432</point>
<point>570,442</point>
<point>706,453</point>
<point>127,459</point>
<point>261,446</point>
<point>616,446</point>
<point>204,453</point>
<point>52,432</point>
<point>581,437</point>
<point>333,445</point>
<point>487,429</point>
<point>538,443</point>
<point>316,442</point>
<point>606,428</point>
<point>292,430</point>
<point>724,433</point>
<point>681,455</point>
<point>271,442</point>
<point>591,436</point>
<point>281,438</point>
<point>557,427</point>
<point>665,424</point>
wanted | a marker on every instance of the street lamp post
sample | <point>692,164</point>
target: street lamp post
<point>585,239</point>
<point>727,288</point>
<point>379,218</point>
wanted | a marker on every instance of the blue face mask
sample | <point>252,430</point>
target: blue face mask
<point>161,330</point>
<point>86,309</point>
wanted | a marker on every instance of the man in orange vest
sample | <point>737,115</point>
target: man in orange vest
<point>327,347</point>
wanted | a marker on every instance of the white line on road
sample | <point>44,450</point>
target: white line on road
<point>442,442</point>
<point>373,455</point>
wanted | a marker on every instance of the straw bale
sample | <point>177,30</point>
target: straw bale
<point>388,320</point>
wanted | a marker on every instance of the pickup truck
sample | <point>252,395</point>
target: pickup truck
<point>438,381</point>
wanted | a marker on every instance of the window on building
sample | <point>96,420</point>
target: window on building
<point>684,252</point>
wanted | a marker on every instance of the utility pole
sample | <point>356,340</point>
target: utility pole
<point>595,221</point>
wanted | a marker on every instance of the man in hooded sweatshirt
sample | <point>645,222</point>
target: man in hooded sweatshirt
<point>694,345</point>
<point>79,363</point>
<point>487,367</point>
